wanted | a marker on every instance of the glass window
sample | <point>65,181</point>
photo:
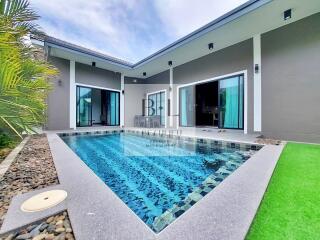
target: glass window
<point>231,102</point>
<point>110,111</point>
<point>152,105</point>
<point>156,106</point>
<point>241,99</point>
<point>84,110</point>
<point>113,99</point>
<point>162,107</point>
<point>187,106</point>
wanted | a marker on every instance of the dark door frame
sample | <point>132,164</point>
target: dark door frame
<point>78,105</point>
<point>223,78</point>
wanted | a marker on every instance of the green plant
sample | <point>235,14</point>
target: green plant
<point>5,140</point>
<point>23,78</point>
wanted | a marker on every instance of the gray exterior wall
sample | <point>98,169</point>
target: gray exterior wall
<point>232,59</point>
<point>58,99</point>
<point>134,93</point>
<point>132,80</point>
<point>86,74</point>
<point>291,81</point>
<point>226,61</point>
<point>157,83</point>
<point>160,78</point>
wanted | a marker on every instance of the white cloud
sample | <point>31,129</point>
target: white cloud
<point>128,29</point>
<point>100,25</point>
<point>184,16</point>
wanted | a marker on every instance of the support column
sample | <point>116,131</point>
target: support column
<point>257,83</point>
<point>72,100</point>
<point>171,97</point>
<point>122,101</point>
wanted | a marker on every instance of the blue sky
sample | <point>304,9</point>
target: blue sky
<point>127,29</point>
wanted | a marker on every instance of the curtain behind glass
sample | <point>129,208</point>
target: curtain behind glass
<point>231,102</point>
<point>113,108</point>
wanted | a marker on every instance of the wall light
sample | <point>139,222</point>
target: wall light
<point>287,14</point>
<point>256,68</point>
<point>144,74</point>
<point>210,46</point>
<point>93,64</point>
<point>170,63</point>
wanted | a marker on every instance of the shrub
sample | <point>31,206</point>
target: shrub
<point>6,141</point>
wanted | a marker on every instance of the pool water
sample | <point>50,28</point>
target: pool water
<point>158,178</point>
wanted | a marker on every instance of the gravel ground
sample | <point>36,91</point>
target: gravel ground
<point>57,227</point>
<point>268,141</point>
<point>32,169</point>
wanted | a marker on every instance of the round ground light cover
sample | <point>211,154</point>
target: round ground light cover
<point>44,200</point>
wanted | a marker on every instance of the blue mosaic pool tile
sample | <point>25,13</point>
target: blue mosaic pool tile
<point>159,177</point>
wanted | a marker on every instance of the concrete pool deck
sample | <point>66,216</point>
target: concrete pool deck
<point>96,212</point>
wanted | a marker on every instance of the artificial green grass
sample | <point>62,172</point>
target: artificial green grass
<point>290,208</point>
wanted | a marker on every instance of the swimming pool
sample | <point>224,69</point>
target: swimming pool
<point>159,178</point>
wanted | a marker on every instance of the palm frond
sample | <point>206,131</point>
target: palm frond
<point>18,10</point>
<point>24,83</point>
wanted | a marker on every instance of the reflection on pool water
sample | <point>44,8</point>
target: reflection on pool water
<point>158,178</point>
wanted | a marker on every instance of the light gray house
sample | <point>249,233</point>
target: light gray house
<point>255,69</point>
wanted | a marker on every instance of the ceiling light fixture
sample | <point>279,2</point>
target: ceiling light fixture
<point>287,14</point>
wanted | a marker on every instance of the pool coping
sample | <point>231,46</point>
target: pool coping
<point>247,145</point>
<point>226,212</point>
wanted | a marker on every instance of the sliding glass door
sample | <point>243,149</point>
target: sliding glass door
<point>187,106</point>
<point>231,102</point>
<point>106,107</point>
<point>113,108</point>
<point>228,112</point>
<point>84,109</point>
<point>156,106</point>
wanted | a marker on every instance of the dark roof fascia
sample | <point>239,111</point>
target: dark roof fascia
<point>52,42</point>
